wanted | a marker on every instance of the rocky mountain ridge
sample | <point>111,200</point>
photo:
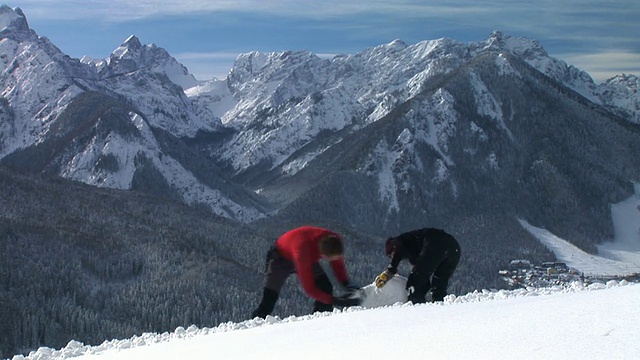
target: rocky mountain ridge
<point>245,146</point>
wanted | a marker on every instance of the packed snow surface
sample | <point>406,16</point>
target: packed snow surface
<point>600,321</point>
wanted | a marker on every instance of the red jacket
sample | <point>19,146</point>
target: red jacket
<point>302,247</point>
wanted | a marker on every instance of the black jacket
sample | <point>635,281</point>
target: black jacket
<point>421,247</point>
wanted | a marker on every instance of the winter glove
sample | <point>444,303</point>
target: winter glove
<point>347,300</point>
<point>382,279</point>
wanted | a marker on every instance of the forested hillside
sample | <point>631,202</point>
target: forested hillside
<point>90,264</point>
<point>93,264</point>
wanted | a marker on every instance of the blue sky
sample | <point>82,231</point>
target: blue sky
<point>600,37</point>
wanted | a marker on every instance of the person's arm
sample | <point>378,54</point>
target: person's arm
<point>339,270</point>
<point>398,255</point>
<point>304,269</point>
<point>392,268</point>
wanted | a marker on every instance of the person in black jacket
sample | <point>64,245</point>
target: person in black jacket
<point>434,255</point>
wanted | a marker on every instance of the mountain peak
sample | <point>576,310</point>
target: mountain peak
<point>521,46</point>
<point>397,44</point>
<point>629,80</point>
<point>498,35</point>
<point>13,21</point>
<point>132,41</point>
<point>246,65</point>
<point>131,56</point>
<point>131,49</point>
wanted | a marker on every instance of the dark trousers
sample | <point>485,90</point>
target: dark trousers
<point>277,270</point>
<point>432,271</point>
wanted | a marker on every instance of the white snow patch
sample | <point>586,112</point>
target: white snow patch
<point>487,104</point>
<point>442,172</point>
<point>626,222</point>
<point>83,167</point>
<point>213,95</point>
<point>178,74</point>
<point>505,67</point>
<point>439,125</point>
<point>492,160</point>
<point>386,180</point>
<point>621,92</point>
<point>292,167</point>
<point>482,135</point>
<point>386,104</point>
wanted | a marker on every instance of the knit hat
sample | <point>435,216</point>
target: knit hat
<point>390,246</point>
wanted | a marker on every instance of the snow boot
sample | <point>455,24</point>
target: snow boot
<point>269,298</point>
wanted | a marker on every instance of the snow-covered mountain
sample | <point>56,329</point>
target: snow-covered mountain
<point>621,94</point>
<point>37,82</point>
<point>98,121</point>
<point>132,56</point>
<point>296,95</point>
<point>394,136</point>
<point>433,132</point>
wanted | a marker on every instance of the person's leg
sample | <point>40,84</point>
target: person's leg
<point>323,283</point>
<point>440,279</point>
<point>418,284</point>
<point>277,269</point>
<point>419,280</point>
<point>268,302</point>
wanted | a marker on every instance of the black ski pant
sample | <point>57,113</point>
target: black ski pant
<point>277,270</point>
<point>432,271</point>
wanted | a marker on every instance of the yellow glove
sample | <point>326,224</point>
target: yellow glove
<point>382,279</point>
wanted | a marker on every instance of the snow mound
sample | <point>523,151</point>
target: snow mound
<point>392,293</point>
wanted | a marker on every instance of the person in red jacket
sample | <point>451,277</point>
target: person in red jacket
<point>299,251</point>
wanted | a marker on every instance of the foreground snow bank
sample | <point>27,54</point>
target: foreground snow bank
<point>75,348</point>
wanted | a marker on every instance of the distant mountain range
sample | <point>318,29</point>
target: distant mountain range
<point>468,137</point>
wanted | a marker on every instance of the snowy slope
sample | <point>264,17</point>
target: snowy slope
<point>534,54</point>
<point>621,256</point>
<point>125,149</point>
<point>595,322</point>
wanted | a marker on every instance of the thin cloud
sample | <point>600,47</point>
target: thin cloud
<point>126,10</point>
<point>327,55</point>
<point>206,56</point>
<point>207,65</point>
<point>604,65</point>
